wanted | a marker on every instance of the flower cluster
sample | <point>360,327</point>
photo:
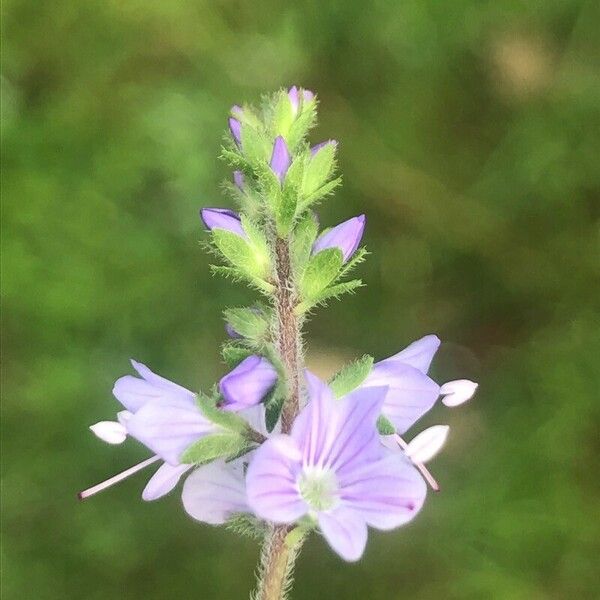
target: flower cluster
<point>271,440</point>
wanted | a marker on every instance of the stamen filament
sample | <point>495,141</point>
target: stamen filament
<point>422,468</point>
<point>124,475</point>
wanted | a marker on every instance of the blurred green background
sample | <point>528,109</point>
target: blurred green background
<point>469,134</point>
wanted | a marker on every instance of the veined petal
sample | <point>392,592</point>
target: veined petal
<point>345,531</point>
<point>133,393</point>
<point>271,481</point>
<point>410,395</point>
<point>387,493</point>
<point>163,481</point>
<point>420,353</point>
<point>213,492</point>
<point>248,383</point>
<point>110,432</point>
<point>168,430</point>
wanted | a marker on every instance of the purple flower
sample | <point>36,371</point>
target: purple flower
<point>222,218</point>
<point>280,159</point>
<point>346,236</point>
<point>235,127</point>
<point>216,491</point>
<point>294,96</point>
<point>411,393</point>
<point>238,179</point>
<point>248,383</point>
<point>161,415</point>
<point>333,468</point>
<point>315,149</point>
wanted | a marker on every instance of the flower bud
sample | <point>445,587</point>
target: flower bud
<point>280,159</point>
<point>294,96</point>
<point>315,149</point>
<point>346,236</point>
<point>238,179</point>
<point>222,218</point>
<point>248,383</point>
<point>235,127</point>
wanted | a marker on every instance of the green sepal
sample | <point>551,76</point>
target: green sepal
<point>384,426</point>
<point>321,271</point>
<point>333,292</point>
<point>305,234</point>
<point>217,445</point>
<point>283,116</point>
<point>248,322</point>
<point>317,195</point>
<point>250,255</point>
<point>225,419</point>
<point>234,354</point>
<point>273,404</point>
<point>318,170</point>
<point>255,145</point>
<point>247,525</point>
<point>351,376</point>
<point>305,120</point>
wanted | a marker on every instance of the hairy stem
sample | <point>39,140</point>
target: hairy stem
<point>288,334</point>
<point>278,558</point>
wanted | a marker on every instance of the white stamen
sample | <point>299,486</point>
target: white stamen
<point>427,444</point>
<point>457,392</point>
<point>422,468</point>
<point>124,475</point>
<point>110,432</point>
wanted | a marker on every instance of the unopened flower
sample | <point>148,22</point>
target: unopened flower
<point>222,218</point>
<point>346,236</point>
<point>424,446</point>
<point>315,149</point>
<point>333,468</point>
<point>238,179</point>
<point>280,158</point>
<point>411,393</point>
<point>294,95</point>
<point>235,128</point>
<point>457,392</point>
<point>248,383</point>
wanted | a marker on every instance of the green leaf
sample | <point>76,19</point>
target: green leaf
<point>255,144</point>
<point>252,258</point>
<point>286,211</point>
<point>351,376</point>
<point>234,354</point>
<point>305,235</point>
<point>248,322</point>
<point>217,445</point>
<point>384,426</point>
<point>225,419</point>
<point>323,191</point>
<point>302,125</point>
<point>282,115</point>
<point>273,405</point>
<point>321,270</point>
<point>318,170</point>
<point>335,291</point>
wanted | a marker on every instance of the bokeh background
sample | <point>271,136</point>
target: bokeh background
<point>469,134</point>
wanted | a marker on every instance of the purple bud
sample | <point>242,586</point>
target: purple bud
<point>280,159</point>
<point>315,149</point>
<point>307,95</point>
<point>294,99</point>
<point>346,236</point>
<point>237,110</point>
<point>231,332</point>
<point>222,218</point>
<point>238,179</point>
<point>235,127</point>
<point>248,383</point>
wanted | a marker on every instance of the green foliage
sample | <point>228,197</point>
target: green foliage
<point>233,354</point>
<point>226,445</point>
<point>247,525</point>
<point>351,376</point>
<point>248,322</point>
<point>318,170</point>
<point>305,234</point>
<point>385,426</point>
<point>321,271</point>
<point>225,419</point>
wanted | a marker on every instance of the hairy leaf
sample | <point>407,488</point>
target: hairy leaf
<point>351,376</point>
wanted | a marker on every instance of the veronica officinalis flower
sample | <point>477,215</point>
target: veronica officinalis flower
<point>333,468</point>
<point>222,218</point>
<point>248,383</point>
<point>280,158</point>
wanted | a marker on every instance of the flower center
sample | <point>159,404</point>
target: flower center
<point>318,488</point>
